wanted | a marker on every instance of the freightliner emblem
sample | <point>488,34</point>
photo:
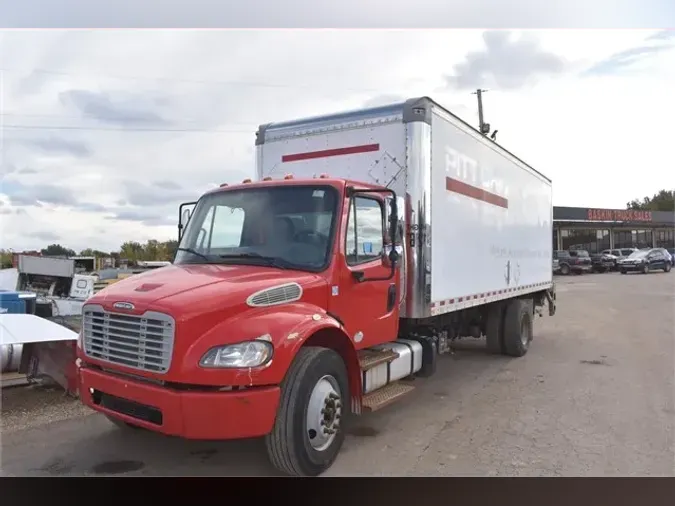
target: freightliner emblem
<point>124,305</point>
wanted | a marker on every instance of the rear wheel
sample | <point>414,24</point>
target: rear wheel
<point>667,267</point>
<point>494,329</point>
<point>623,271</point>
<point>564,269</point>
<point>518,327</point>
<point>645,269</point>
<point>307,434</point>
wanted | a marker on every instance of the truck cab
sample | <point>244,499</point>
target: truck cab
<point>268,276</point>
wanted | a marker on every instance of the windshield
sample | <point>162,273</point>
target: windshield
<point>285,227</point>
<point>639,254</point>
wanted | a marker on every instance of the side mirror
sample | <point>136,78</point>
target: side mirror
<point>184,213</point>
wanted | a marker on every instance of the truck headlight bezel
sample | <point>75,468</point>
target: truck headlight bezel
<point>242,355</point>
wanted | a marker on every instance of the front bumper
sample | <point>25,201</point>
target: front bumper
<point>631,267</point>
<point>187,414</point>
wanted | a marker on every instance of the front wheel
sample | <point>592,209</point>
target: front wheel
<point>668,267</point>
<point>307,434</point>
<point>645,269</point>
<point>623,271</point>
<point>564,269</point>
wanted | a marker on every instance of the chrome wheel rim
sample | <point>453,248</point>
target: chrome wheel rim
<point>324,412</point>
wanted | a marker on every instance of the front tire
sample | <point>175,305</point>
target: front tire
<point>564,269</point>
<point>645,269</point>
<point>307,434</point>
<point>667,267</point>
<point>518,327</point>
<point>623,271</point>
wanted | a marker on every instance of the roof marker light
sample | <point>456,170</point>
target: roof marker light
<point>288,176</point>
<point>246,181</point>
<point>224,185</point>
<point>324,176</point>
<point>268,178</point>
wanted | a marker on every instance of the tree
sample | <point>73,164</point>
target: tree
<point>661,201</point>
<point>5,259</point>
<point>56,250</point>
<point>132,251</point>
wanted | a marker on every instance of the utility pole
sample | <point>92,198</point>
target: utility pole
<point>484,128</point>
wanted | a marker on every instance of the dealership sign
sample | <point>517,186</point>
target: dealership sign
<point>619,215</point>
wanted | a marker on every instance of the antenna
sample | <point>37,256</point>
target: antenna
<point>483,127</point>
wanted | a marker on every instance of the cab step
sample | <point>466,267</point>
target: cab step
<point>384,396</point>
<point>372,358</point>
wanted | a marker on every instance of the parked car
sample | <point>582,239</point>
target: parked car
<point>619,254</point>
<point>646,260</point>
<point>577,261</point>
<point>556,266</point>
<point>603,262</point>
<point>671,252</point>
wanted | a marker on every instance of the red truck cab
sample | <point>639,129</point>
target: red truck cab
<point>258,327</point>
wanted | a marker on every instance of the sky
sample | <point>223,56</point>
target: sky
<point>105,132</point>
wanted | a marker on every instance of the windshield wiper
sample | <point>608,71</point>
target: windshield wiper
<point>196,253</point>
<point>271,261</point>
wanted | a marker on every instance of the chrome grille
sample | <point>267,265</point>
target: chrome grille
<point>142,342</point>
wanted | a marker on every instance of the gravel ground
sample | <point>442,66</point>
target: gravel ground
<point>593,397</point>
<point>33,406</point>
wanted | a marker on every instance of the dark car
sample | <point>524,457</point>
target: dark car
<point>646,260</point>
<point>603,262</point>
<point>577,261</point>
<point>671,252</point>
<point>619,253</point>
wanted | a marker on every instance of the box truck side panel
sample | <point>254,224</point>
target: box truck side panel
<point>491,234</point>
<point>371,150</point>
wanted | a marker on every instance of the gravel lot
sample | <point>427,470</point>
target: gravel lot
<point>593,397</point>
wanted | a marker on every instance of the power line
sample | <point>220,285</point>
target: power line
<point>107,129</point>
<point>189,81</point>
<point>74,117</point>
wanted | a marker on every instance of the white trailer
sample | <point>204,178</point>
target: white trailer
<point>478,219</point>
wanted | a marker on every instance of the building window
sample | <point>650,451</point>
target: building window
<point>632,238</point>
<point>665,238</point>
<point>591,239</point>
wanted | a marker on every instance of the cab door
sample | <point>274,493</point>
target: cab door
<point>366,296</point>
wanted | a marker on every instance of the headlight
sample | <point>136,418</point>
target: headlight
<point>248,354</point>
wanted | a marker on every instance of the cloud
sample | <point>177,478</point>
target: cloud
<point>145,217</point>
<point>506,62</point>
<point>102,141</point>
<point>45,235</point>
<point>116,108</point>
<point>58,145</point>
<point>622,61</point>
<point>37,194</point>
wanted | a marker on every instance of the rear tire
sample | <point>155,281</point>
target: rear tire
<point>298,445</point>
<point>494,329</point>
<point>564,269</point>
<point>667,267</point>
<point>623,271</point>
<point>518,326</point>
<point>645,269</point>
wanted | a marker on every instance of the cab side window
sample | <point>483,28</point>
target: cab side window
<point>365,231</point>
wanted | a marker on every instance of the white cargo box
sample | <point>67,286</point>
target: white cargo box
<point>478,219</point>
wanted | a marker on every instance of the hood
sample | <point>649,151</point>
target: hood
<point>187,290</point>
